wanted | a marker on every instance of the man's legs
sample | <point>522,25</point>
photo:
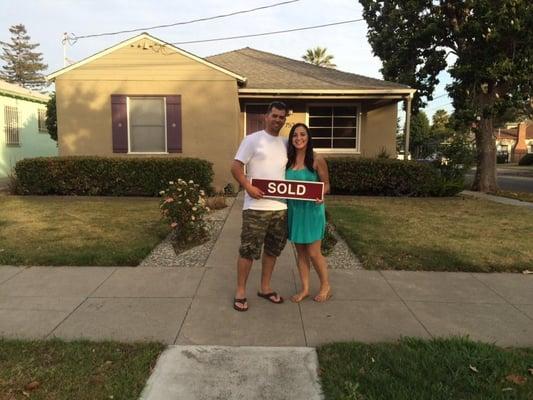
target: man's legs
<point>267,267</point>
<point>244,265</point>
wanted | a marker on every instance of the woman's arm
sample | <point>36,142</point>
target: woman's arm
<point>323,174</point>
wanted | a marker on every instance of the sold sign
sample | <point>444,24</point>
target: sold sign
<point>295,190</point>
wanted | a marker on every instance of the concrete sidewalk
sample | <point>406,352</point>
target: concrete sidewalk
<point>193,306</point>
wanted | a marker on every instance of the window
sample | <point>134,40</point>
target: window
<point>11,126</point>
<point>531,148</point>
<point>41,120</point>
<point>334,127</point>
<point>147,127</point>
<point>504,148</point>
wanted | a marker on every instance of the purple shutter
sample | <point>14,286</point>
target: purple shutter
<point>174,124</point>
<point>119,116</point>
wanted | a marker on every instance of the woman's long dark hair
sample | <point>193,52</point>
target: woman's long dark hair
<point>291,150</point>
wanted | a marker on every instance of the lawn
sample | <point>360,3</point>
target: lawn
<point>69,230</point>
<point>81,370</point>
<point>413,369</point>
<point>435,234</point>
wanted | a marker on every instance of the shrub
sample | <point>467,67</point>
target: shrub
<point>383,177</point>
<point>501,158</point>
<point>183,206</point>
<point>526,160</point>
<point>329,241</point>
<point>107,176</point>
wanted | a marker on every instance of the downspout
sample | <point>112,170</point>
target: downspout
<point>407,126</point>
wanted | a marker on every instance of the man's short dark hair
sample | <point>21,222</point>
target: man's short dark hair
<point>278,105</point>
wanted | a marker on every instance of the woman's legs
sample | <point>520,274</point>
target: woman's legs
<point>321,267</point>
<point>304,266</point>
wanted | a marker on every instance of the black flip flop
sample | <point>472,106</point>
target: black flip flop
<point>269,295</point>
<point>240,301</point>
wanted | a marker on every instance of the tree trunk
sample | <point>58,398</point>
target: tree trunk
<point>485,180</point>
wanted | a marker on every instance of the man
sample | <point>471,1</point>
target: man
<point>264,221</point>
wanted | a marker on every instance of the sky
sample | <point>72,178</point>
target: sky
<point>47,20</point>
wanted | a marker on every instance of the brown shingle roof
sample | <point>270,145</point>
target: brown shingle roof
<point>269,71</point>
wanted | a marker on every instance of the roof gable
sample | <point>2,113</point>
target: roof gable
<point>270,71</point>
<point>134,39</point>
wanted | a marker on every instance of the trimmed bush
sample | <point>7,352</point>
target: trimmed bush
<point>526,160</point>
<point>108,176</point>
<point>383,177</point>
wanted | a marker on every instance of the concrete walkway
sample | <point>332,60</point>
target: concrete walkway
<point>497,199</point>
<point>192,306</point>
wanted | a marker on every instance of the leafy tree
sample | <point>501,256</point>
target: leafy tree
<point>23,65</point>
<point>319,56</point>
<point>491,67</point>
<point>51,117</point>
<point>419,145</point>
<point>440,126</point>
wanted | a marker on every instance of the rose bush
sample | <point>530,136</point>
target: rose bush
<point>183,206</point>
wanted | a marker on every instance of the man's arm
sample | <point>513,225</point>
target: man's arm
<point>237,170</point>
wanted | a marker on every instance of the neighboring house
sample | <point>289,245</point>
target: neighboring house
<point>22,120</point>
<point>514,141</point>
<point>145,97</point>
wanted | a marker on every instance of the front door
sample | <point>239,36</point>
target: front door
<point>255,117</point>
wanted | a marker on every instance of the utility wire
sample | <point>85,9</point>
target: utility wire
<point>442,95</point>
<point>76,37</point>
<point>439,105</point>
<point>268,33</point>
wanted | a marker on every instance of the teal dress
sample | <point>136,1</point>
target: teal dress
<point>307,220</point>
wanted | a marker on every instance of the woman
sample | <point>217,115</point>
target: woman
<point>307,219</point>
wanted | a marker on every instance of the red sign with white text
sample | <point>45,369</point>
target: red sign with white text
<point>294,190</point>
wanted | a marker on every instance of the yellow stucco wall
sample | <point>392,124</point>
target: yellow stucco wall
<point>209,103</point>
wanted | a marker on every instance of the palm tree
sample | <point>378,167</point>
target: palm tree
<point>318,56</point>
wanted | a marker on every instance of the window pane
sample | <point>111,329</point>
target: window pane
<point>344,121</point>
<point>319,111</point>
<point>147,111</point>
<point>147,124</point>
<point>147,139</point>
<point>322,143</point>
<point>320,132</point>
<point>345,111</point>
<point>344,132</point>
<point>344,143</point>
<point>319,121</point>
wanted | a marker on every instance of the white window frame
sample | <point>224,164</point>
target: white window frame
<point>41,128</point>
<point>16,127</point>
<point>357,149</point>
<point>129,123</point>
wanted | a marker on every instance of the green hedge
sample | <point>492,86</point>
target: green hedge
<point>526,160</point>
<point>107,176</point>
<point>387,177</point>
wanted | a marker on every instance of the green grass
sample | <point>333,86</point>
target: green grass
<point>78,370</point>
<point>414,369</point>
<point>69,230</point>
<point>436,234</point>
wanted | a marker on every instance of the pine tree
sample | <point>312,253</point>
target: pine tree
<point>23,65</point>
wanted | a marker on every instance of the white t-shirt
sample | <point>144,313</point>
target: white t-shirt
<point>265,157</point>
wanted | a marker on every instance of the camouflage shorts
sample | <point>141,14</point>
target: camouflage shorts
<point>263,227</point>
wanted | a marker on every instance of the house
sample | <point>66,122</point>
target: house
<point>22,120</point>
<point>514,141</point>
<point>146,97</point>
